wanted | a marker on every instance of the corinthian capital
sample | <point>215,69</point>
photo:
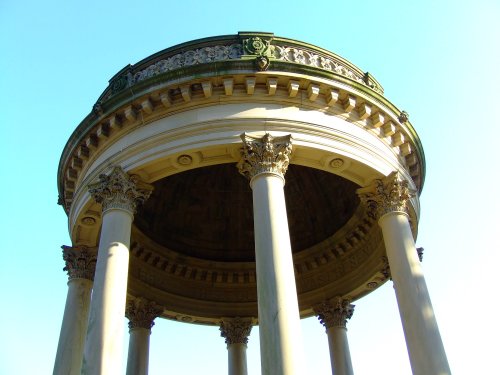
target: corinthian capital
<point>141,313</point>
<point>334,312</point>
<point>119,190</point>
<point>235,330</point>
<point>80,262</point>
<point>388,195</point>
<point>265,155</point>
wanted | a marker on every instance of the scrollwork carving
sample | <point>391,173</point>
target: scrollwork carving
<point>256,45</point>
<point>189,58</point>
<point>265,155</point>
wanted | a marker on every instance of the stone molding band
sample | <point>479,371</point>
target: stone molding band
<point>80,262</point>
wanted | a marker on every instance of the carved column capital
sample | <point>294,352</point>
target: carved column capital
<point>420,253</point>
<point>386,269</point>
<point>119,190</point>
<point>236,330</point>
<point>390,194</point>
<point>80,262</point>
<point>265,155</point>
<point>141,313</point>
<point>334,312</point>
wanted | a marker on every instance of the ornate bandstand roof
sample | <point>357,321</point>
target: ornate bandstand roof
<point>175,118</point>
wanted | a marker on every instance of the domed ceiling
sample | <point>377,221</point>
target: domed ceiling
<point>207,212</point>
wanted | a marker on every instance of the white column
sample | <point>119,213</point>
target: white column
<point>265,161</point>
<point>80,265</point>
<point>425,348</point>
<point>141,314</point>
<point>333,314</point>
<point>236,332</point>
<point>119,195</point>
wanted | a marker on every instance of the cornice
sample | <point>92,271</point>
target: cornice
<point>220,57</point>
<point>351,102</point>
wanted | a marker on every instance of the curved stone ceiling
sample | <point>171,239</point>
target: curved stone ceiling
<point>206,213</point>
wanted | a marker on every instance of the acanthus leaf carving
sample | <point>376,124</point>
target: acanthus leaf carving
<point>236,330</point>
<point>265,155</point>
<point>142,313</point>
<point>334,312</point>
<point>79,261</point>
<point>388,195</point>
<point>119,190</point>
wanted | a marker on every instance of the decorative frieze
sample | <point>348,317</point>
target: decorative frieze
<point>80,262</point>
<point>265,155</point>
<point>188,58</point>
<point>236,330</point>
<point>334,312</point>
<point>119,190</point>
<point>388,195</point>
<point>141,313</point>
<point>251,46</point>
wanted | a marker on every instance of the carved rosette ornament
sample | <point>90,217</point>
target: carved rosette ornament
<point>257,46</point>
<point>80,262</point>
<point>265,155</point>
<point>119,190</point>
<point>235,330</point>
<point>334,312</point>
<point>388,195</point>
<point>141,313</point>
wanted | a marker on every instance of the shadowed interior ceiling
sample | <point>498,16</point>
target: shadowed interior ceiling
<point>207,212</point>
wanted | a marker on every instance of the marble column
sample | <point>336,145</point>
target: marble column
<point>388,200</point>
<point>236,332</point>
<point>119,195</point>
<point>333,314</point>
<point>265,161</point>
<point>141,314</point>
<point>80,265</point>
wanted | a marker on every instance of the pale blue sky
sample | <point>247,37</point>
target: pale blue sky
<point>439,60</point>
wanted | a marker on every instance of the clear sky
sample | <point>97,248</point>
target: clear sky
<point>438,60</point>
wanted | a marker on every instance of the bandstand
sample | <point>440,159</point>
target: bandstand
<point>240,180</point>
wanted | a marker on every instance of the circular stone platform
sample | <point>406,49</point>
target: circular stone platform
<point>175,119</point>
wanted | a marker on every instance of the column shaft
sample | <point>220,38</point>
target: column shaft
<point>103,347</point>
<point>74,328</point>
<point>340,357</point>
<point>138,351</point>
<point>279,320</point>
<point>237,359</point>
<point>424,344</point>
